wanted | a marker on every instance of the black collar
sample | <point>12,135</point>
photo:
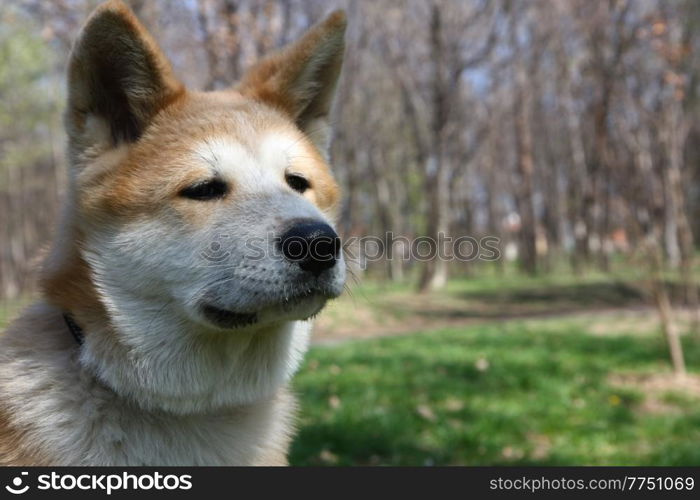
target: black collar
<point>75,330</point>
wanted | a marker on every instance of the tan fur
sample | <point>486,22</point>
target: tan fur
<point>13,448</point>
<point>130,149</point>
<point>281,79</point>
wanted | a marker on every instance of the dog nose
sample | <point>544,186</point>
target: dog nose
<point>313,245</point>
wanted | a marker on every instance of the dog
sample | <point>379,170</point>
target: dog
<point>195,244</point>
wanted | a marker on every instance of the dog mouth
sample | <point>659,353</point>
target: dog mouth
<point>303,306</point>
<point>224,318</point>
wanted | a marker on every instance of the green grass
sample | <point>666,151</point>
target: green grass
<point>9,309</point>
<point>520,392</point>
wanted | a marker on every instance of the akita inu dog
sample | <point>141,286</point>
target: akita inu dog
<point>164,337</point>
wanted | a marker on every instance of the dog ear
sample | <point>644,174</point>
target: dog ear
<point>118,79</point>
<point>301,79</point>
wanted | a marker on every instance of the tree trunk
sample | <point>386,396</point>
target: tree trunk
<point>435,269</point>
<point>663,305</point>
<point>522,104</point>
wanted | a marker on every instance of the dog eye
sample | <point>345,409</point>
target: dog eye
<point>297,182</point>
<point>207,190</point>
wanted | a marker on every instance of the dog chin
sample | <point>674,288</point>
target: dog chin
<point>299,309</point>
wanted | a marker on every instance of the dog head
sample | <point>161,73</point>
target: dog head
<point>218,204</point>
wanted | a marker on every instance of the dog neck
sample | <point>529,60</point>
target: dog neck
<point>147,351</point>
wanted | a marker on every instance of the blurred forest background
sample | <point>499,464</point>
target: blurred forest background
<point>569,129</point>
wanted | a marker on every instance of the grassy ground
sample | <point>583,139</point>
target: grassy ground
<point>498,369</point>
<point>521,392</point>
<point>9,309</point>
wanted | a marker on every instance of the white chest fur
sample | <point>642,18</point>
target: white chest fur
<point>75,419</point>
